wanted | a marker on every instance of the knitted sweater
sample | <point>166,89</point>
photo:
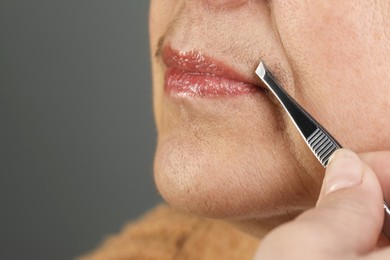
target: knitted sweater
<point>164,233</point>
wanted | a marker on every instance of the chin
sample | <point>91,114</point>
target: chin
<point>238,183</point>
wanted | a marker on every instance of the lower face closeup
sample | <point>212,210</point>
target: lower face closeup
<point>226,149</point>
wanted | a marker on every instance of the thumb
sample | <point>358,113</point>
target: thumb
<point>349,212</point>
<point>347,220</point>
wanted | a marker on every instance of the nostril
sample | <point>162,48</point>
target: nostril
<point>225,3</point>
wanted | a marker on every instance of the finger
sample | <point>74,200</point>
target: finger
<point>347,219</point>
<point>380,163</point>
<point>350,207</point>
<point>380,255</point>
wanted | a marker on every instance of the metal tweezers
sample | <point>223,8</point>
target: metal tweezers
<point>320,142</point>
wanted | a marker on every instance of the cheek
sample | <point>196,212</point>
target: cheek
<point>322,32</point>
<point>336,49</point>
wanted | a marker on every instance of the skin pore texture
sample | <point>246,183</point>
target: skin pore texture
<point>239,157</point>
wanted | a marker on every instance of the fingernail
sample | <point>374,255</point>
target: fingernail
<point>345,170</point>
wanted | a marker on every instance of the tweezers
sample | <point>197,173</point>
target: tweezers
<point>319,140</point>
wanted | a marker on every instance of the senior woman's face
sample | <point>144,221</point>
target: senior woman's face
<point>226,149</point>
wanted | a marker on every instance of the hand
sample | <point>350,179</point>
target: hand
<point>348,218</point>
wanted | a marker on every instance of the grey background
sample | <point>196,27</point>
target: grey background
<point>76,129</point>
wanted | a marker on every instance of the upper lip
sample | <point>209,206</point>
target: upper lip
<point>199,62</point>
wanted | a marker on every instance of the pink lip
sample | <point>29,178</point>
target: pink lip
<point>192,74</point>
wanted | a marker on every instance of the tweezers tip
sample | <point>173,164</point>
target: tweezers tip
<point>260,71</point>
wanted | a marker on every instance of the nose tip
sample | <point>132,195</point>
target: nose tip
<point>225,3</point>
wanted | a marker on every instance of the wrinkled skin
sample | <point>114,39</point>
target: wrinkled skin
<point>240,158</point>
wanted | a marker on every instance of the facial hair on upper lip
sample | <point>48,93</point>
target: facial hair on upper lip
<point>237,52</point>
<point>159,47</point>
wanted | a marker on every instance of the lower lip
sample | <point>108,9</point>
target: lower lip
<point>195,84</point>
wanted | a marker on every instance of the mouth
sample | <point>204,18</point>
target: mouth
<point>194,74</point>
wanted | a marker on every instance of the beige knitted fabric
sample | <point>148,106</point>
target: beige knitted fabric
<point>164,233</point>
